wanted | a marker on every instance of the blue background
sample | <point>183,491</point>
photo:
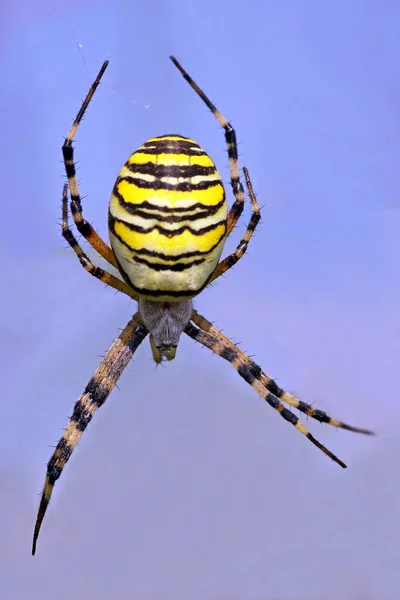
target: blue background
<point>187,485</point>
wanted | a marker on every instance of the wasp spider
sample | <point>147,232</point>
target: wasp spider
<point>168,222</point>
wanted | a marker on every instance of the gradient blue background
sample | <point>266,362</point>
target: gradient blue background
<point>187,485</point>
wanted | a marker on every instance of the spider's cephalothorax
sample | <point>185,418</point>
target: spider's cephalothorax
<point>168,223</point>
<point>165,321</point>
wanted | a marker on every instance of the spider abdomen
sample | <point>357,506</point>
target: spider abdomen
<point>167,219</point>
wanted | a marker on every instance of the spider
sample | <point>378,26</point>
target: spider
<point>168,222</point>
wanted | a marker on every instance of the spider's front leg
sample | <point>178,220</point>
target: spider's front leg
<point>210,336</point>
<point>96,393</point>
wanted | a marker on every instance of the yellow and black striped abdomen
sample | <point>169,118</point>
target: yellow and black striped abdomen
<point>167,219</point>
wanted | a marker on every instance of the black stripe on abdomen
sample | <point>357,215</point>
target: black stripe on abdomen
<point>160,170</point>
<point>182,186</point>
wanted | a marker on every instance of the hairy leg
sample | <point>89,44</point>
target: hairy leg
<point>95,394</point>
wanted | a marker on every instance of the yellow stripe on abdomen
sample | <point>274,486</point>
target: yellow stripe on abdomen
<point>127,188</point>
<point>167,219</point>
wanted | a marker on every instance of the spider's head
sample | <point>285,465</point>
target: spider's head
<point>165,322</point>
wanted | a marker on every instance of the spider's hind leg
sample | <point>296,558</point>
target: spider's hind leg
<point>237,186</point>
<point>233,258</point>
<point>230,138</point>
<point>85,261</point>
<point>83,226</point>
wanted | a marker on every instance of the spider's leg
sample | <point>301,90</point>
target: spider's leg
<point>229,351</point>
<point>96,393</point>
<point>85,261</point>
<point>232,259</point>
<point>270,384</point>
<point>83,226</point>
<point>230,137</point>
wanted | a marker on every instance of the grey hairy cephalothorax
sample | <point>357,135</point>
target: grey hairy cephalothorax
<point>165,322</point>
